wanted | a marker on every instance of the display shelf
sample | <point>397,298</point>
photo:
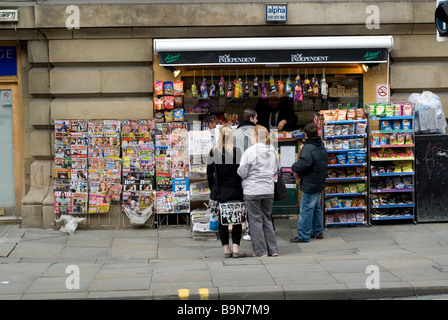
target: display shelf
<point>393,146</point>
<point>391,206</point>
<point>393,217</point>
<point>390,190</point>
<point>346,179</point>
<point>346,209</point>
<point>392,174</point>
<point>347,150</point>
<point>364,135</point>
<point>393,118</point>
<point>392,159</point>
<point>351,135</point>
<point>390,128</point>
<point>341,194</point>
<point>347,165</point>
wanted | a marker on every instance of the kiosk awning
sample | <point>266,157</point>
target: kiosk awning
<point>260,51</point>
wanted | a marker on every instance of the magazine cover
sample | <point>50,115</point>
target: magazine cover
<point>147,199</point>
<point>79,163</point>
<point>62,151</point>
<point>164,202</point>
<point>163,184</point>
<point>181,185</point>
<point>62,126</point>
<point>79,202</point>
<point>181,202</point>
<point>131,201</point>
<point>78,151</point>
<point>79,126</point>
<point>62,138</point>
<point>62,202</point>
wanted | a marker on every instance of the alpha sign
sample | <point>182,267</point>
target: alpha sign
<point>276,12</point>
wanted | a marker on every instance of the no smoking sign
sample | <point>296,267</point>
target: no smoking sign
<point>382,93</point>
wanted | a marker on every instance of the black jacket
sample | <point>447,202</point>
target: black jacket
<point>229,182</point>
<point>285,112</point>
<point>312,166</point>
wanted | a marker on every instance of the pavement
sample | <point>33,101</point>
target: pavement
<point>380,261</point>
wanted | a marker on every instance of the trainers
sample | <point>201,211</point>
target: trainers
<point>318,236</point>
<point>246,237</point>
<point>299,240</point>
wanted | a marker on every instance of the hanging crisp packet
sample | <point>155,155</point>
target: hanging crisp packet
<point>229,90</point>
<point>272,84</point>
<point>221,87</point>
<point>264,94</point>
<point>280,88</point>
<point>158,88</point>
<point>255,89</point>
<point>204,93</point>
<point>288,85</point>
<point>212,90</point>
<point>194,90</point>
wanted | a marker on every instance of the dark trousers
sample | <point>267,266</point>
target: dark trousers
<point>237,230</point>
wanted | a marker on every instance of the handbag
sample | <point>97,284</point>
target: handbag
<point>230,212</point>
<point>279,185</point>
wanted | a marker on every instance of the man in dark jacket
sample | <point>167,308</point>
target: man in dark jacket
<point>312,170</point>
<point>276,113</point>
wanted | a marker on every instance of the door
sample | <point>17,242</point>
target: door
<point>7,194</point>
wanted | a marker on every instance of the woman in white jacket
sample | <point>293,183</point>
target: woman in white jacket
<point>258,168</point>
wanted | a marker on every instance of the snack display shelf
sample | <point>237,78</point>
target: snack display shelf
<point>392,131</point>
<point>391,193</point>
<point>392,159</point>
<point>347,150</point>
<point>347,165</point>
<point>393,146</point>
<point>391,174</point>
<point>342,194</point>
<point>345,197</point>
<point>393,118</point>
<point>347,136</point>
<point>390,190</point>
<point>346,121</point>
<point>394,217</point>
<point>390,206</point>
<point>353,179</point>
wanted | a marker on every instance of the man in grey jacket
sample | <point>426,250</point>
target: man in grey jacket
<point>242,134</point>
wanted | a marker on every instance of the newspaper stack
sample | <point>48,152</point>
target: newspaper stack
<point>200,220</point>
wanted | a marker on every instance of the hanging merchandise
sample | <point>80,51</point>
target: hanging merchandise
<point>237,87</point>
<point>280,88</point>
<point>212,88</point>
<point>221,87</point>
<point>240,87</point>
<point>289,88</point>
<point>255,89</point>
<point>298,89</point>
<point>316,88</point>
<point>272,84</point>
<point>264,94</point>
<point>323,86</point>
<point>194,90</point>
<point>229,90</point>
<point>204,93</point>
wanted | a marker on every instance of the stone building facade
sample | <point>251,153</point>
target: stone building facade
<point>106,67</point>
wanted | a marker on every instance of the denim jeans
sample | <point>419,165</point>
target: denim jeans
<point>310,220</point>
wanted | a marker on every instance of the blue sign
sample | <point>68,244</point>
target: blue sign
<point>8,61</point>
<point>276,13</point>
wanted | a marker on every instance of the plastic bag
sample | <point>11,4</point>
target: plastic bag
<point>429,115</point>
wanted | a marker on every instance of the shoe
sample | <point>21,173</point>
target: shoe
<point>239,255</point>
<point>299,240</point>
<point>228,255</point>
<point>247,237</point>
<point>318,236</point>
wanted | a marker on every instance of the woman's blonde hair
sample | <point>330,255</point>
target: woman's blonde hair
<point>225,140</point>
<point>262,134</point>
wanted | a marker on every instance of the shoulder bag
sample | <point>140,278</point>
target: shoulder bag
<point>230,212</point>
<point>279,184</point>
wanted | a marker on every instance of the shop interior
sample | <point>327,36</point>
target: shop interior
<point>323,87</point>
